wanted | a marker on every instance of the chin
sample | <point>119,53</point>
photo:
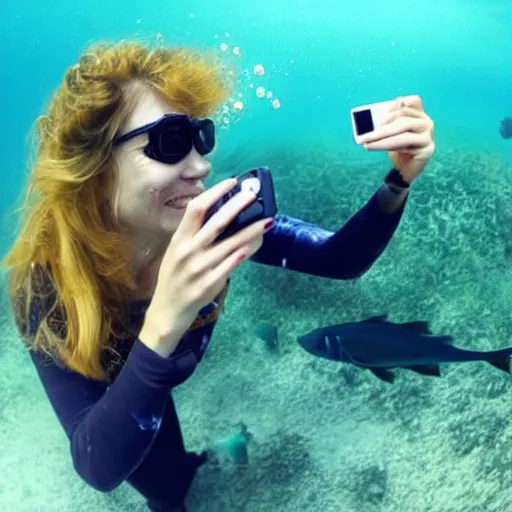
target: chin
<point>170,221</point>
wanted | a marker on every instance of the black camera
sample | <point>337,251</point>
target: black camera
<point>258,180</point>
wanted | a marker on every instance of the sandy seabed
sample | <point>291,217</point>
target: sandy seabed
<point>327,436</point>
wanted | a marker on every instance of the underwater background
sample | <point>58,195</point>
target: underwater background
<point>324,436</point>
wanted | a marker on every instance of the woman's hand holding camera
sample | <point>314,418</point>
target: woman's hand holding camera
<point>195,268</point>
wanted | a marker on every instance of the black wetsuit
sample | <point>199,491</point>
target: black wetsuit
<point>127,429</point>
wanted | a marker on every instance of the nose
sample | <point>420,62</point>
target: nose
<point>196,167</point>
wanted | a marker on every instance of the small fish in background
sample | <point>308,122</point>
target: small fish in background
<point>268,333</point>
<point>506,128</point>
<point>380,346</point>
<point>233,448</point>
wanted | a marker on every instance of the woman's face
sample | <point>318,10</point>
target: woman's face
<point>151,196</point>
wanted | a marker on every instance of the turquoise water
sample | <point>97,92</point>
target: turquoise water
<point>325,437</point>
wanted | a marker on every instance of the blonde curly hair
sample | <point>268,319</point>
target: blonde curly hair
<point>70,255</point>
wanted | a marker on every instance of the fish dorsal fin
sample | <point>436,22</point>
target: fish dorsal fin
<point>426,369</point>
<point>383,374</point>
<point>419,327</point>
<point>375,319</point>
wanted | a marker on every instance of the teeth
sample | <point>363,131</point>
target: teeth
<point>179,202</point>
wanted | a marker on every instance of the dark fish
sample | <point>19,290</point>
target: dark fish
<point>268,333</point>
<point>380,345</point>
<point>506,128</point>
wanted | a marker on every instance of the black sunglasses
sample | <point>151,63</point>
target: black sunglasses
<point>172,137</point>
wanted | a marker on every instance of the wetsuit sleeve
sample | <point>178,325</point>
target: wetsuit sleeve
<point>344,254</point>
<point>111,428</point>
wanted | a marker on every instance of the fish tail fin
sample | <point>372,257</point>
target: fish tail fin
<point>501,359</point>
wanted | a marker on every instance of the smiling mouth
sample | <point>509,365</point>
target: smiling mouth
<point>179,203</point>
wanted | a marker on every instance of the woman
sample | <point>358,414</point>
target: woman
<point>115,280</point>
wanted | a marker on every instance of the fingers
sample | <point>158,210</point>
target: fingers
<point>246,237</point>
<point>408,141</point>
<point>196,210</point>
<point>404,112</point>
<point>395,127</point>
<point>228,265</point>
<point>212,267</point>
<point>255,245</point>
<point>222,218</point>
<point>413,101</point>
